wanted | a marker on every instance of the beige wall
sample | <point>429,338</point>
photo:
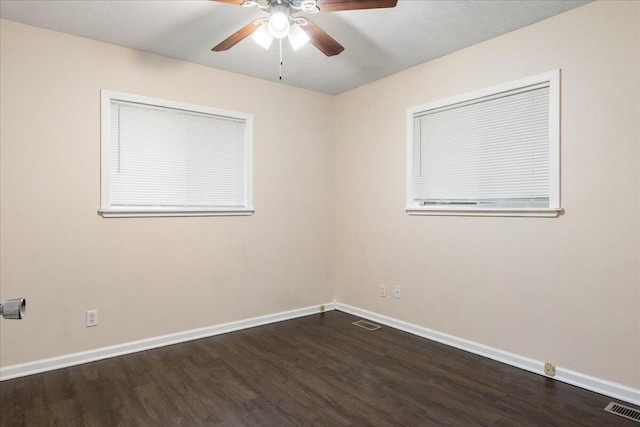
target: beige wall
<point>148,276</point>
<point>564,290</point>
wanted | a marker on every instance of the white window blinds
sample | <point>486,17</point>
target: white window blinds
<point>488,151</point>
<point>167,158</point>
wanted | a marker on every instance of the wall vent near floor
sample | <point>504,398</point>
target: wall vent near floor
<point>623,411</point>
<point>367,325</point>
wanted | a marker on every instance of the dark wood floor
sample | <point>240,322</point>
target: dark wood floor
<point>317,370</point>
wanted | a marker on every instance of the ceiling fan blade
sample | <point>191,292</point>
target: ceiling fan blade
<point>323,41</point>
<point>238,2</point>
<point>336,5</point>
<point>236,37</point>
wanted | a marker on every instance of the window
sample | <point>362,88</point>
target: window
<point>490,152</point>
<point>163,158</point>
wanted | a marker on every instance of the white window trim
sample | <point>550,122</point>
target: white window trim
<point>107,96</point>
<point>554,209</point>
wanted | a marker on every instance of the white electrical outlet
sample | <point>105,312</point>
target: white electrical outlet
<point>92,318</point>
<point>396,291</point>
<point>549,369</point>
<point>383,291</point>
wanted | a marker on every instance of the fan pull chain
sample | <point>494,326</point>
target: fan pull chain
<point>280,59</point>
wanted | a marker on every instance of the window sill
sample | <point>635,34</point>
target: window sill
<point>132,213</point>
<point>516,212</point>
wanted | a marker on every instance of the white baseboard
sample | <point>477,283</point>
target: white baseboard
<point>607,388</point>
<point>38,366</point>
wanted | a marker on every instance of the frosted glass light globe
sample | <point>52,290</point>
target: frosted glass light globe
<point>279,25</point>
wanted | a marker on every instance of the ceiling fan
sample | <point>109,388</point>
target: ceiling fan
<point>283,21</point>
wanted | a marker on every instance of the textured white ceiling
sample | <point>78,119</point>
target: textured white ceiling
<point>377,42</point>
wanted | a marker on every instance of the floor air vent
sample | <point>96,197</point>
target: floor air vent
<point>623,411</point>
<point>367,325</point>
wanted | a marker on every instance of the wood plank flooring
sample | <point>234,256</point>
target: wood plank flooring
<point>318,370</point>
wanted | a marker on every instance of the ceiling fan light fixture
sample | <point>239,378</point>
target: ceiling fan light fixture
<point>309,6</point>
<point>279,23</point>
<point>297,37</point>
<point>262,36</point>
